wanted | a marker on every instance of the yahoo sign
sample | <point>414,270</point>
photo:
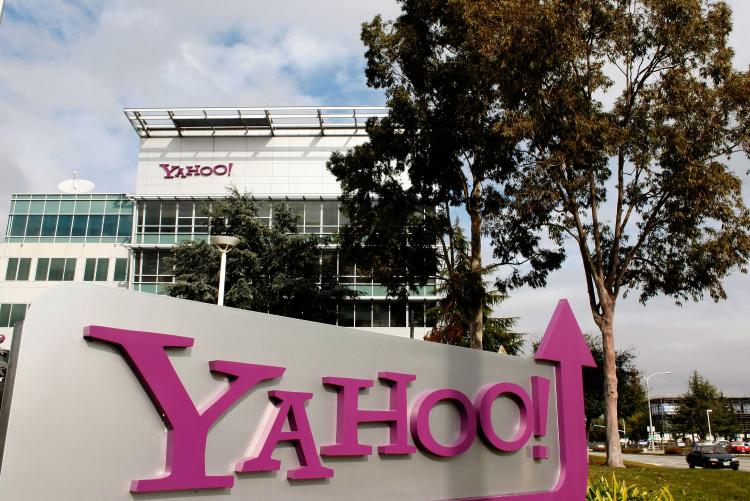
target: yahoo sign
<point>209,401</point>
<point>197,170</point>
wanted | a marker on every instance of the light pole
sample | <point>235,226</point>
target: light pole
<point>224,243</point>
<point>650,419</point>
<point>708,417</point>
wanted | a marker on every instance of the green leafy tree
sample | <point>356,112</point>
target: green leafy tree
<point>453,313</point>
<point>443,150</point>
<point>691,416</point>
<point>273,269</point>
<point>633,167</point>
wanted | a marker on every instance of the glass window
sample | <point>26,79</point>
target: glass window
<point>17,226</point>
<point>346,267</point>
<point>165,268</point>
<point>82,206</point>
<point>346,315</point>
<point>21,206</point>
<point>52,207</point>
<point>112,206</point>
<point>79,226</point>
<point>168,216</point>
<point>417,310</point>
<point>102,270</point>
<point>95,226</point>
<point>70,269</point>
<point>97,206</point>
<point>151,213</point>
<point>56,269</point>
<point>24,268</point>
<point>109,229</point>
<point>380,314</point>
<point>89,270</point>
<point>4,315</point>
<point>11,313</point>
<point>18,268</point>
<point>36,207</point>
<point>329,262</point>
<point>150,260</point>
<point>121,270</point>
<point>34,226</point>
<point>63,226</point>
<point>17,314</point>
<point>67,206</point>
<point>264,208</point>
<point>42,267</point>
<point>48,226</point>
<point>126,226</point>
<point>12,270</point>
<point>312,213</point>
<point>330,213</point>
<point>398,314</point>
<point>362,312</point>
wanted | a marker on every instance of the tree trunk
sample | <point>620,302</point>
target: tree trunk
<point>476,327</point>
<point>606,325</point>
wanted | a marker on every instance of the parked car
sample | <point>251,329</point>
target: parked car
<point>739,448</point>
<point>711,456</point>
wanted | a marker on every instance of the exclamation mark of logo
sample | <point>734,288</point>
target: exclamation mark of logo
<point>540,400</point>
<point>230,170</point>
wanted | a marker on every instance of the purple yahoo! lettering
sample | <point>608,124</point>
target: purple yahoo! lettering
<point>230,170</point>
<point>540,401</point>
<point>206,170</point>
<point>349,416</point>
<point>290,406</point>
<point>220,169</point>
<point>486,397</point>
<point>192,170</point>
<point>169,170</point>
<point>185,467</point>
<point>420,422</point>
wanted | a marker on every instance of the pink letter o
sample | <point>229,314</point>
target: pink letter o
<point>420,422</point>
<point>484,401</point>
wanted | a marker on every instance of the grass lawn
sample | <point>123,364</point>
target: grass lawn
<point>692,485</point>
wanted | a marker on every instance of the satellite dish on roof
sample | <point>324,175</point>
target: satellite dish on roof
<point>76,185</point>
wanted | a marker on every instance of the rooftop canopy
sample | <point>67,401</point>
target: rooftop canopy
<point>277,121</point>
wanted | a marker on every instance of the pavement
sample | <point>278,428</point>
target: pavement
<point>668,461</point>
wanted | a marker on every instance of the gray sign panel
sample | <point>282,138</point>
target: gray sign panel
<point>83,427</point>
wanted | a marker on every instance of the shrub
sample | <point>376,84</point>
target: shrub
<point>602,490</point>
<point>632,450</point>
<point>675,451</point>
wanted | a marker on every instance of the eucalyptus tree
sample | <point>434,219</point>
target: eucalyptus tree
<point>630,132</point>
<point>445,148</point>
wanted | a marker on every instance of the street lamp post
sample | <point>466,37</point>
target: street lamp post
<point>650,419</point>
<point>224,244</point>
<point>708,417</point>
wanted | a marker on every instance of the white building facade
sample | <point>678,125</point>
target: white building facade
<point>186,159</point>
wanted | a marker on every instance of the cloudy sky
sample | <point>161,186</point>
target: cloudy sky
<point>68,68</point>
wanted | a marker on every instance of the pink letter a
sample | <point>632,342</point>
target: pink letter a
<point>187,428</point>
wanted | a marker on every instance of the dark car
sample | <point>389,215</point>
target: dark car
<point>711,456</point>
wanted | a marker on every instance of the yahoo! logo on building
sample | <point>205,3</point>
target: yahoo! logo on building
<point>188,427</point>
<point>178,171</point>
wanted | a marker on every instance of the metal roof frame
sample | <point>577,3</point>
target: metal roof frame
<point>287,121</point>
